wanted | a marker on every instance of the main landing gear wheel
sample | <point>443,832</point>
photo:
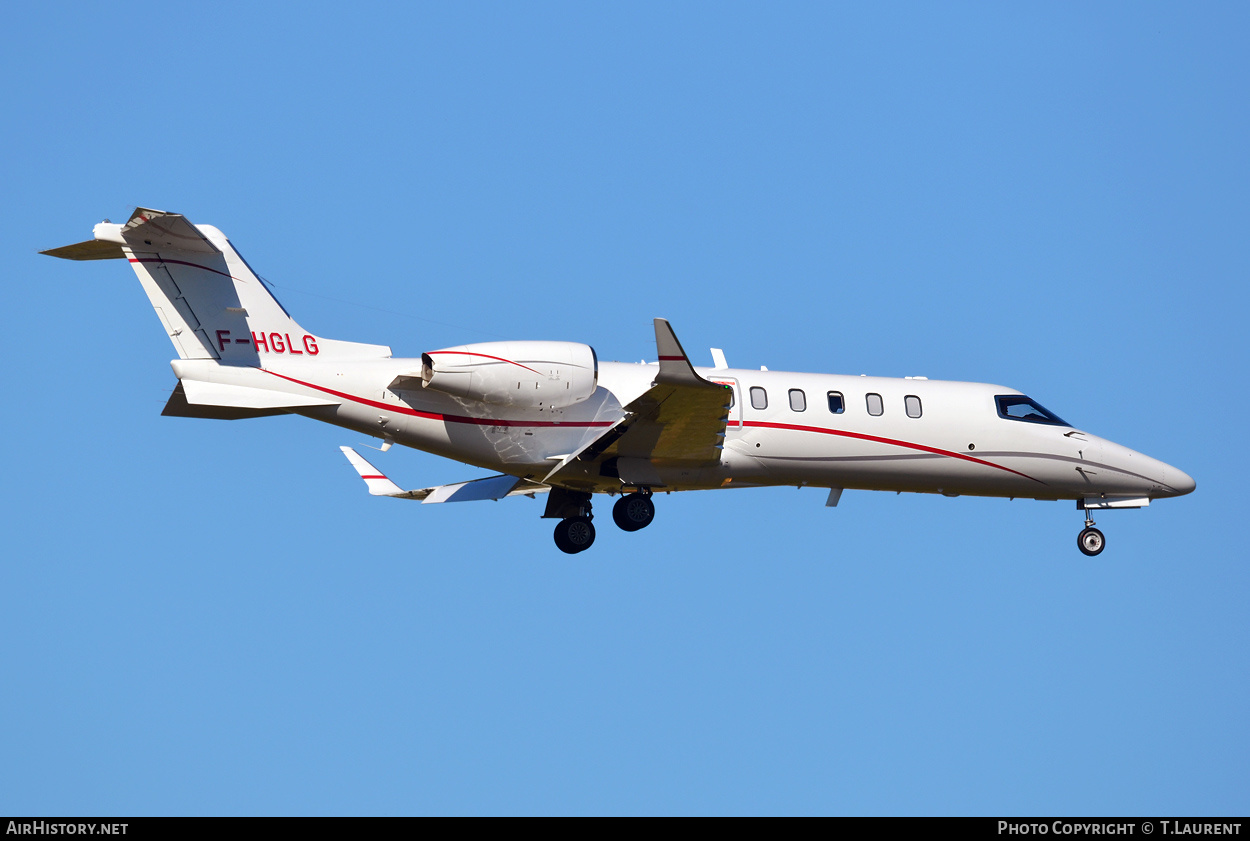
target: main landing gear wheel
<point>575,534</point>
<point>633,512</point>
<point>1091,541</point>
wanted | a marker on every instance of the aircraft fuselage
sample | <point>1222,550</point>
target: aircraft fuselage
<point>958,444</point>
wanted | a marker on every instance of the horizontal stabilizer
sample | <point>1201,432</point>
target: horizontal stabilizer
<point>492,487</point>
<point>92,249</point>
<point>156,230</point>
<point>147,231</point>
<point>245,397</point>
<point>178,407</point>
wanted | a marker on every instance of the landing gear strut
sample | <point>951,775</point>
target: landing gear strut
<point>1090,540</point>
<point>634,511</point>
<point>575,532</point>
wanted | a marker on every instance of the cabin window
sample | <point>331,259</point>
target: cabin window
<point>912,404</point>
<point>798,400</point>
<point>759,398</point>
<point>1021,408</point>
<point>836,404</point>
<point>875,406</point>
<point>730,389</point>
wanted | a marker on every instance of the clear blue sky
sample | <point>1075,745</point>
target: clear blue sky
<point>208,617</point>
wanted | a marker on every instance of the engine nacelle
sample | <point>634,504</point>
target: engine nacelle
<point>532,375</point>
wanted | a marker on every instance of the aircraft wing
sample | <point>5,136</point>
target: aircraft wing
<point>680,421</point>
<point>492,487</point>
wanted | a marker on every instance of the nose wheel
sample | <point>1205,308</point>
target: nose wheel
<point>1090,541</point>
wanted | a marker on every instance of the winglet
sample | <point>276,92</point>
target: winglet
<point>675,367</point>
<point>377,483</point>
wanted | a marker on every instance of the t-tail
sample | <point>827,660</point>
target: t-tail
<point>209,301</point>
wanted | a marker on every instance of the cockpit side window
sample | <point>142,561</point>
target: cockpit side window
<point>1021,408</point>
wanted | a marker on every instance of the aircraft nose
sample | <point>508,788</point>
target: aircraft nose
<point>1136,474</point>
<point>1179,481</point>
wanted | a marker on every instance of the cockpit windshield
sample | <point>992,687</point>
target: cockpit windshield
<point>1021,408</point>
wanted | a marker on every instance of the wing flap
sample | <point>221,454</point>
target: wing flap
<point>492,487</point>
<point>677,424</point>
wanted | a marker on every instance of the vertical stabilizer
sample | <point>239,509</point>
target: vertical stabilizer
<point>210,302</point>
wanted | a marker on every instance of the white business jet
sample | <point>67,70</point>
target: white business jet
<point>554,419</point>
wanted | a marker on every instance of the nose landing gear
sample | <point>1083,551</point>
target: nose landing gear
<point>1090,540</point>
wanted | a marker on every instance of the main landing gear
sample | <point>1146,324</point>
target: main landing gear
<point>634,511</point>
<point>1090,540</point>
<point>576,533</point>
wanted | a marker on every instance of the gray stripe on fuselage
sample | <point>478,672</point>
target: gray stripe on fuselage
<point>1079,461</point>
<point>981,455</point>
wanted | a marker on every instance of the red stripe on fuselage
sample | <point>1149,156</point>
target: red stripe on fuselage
<point>894,442</point>
<point>404,410</point>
